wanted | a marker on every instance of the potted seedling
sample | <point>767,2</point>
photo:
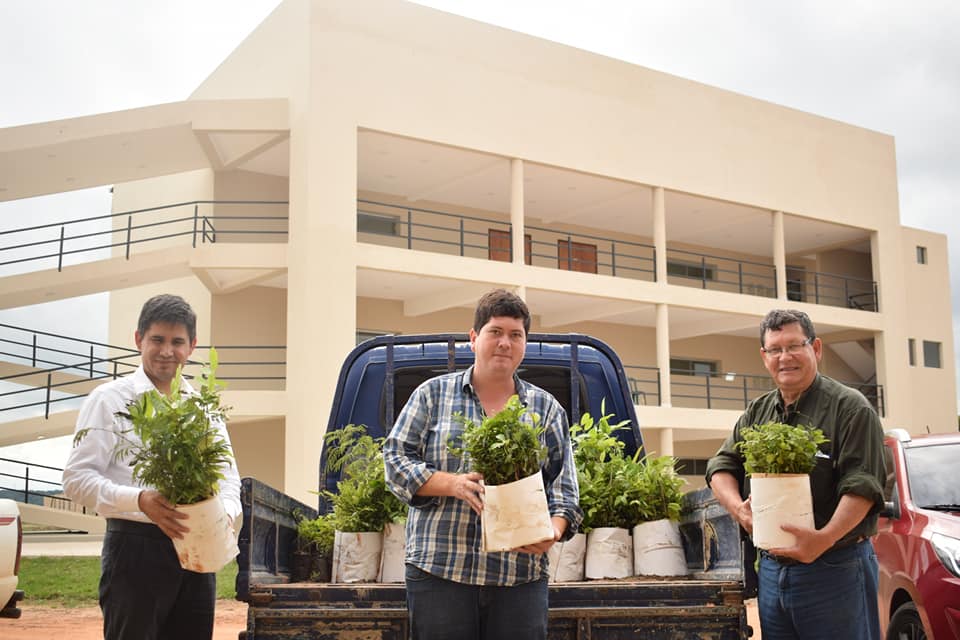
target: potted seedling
<point>779,458</point>
<point>173,445</point>
<point>656,496</point>
<point>506,449</point>
<point>311,560</point>
<point>604,474</point>
<point>362,508</point>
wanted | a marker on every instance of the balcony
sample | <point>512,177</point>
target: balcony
<point>731,391</point>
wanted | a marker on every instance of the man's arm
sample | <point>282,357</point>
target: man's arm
<point>85,479</point>
<point>726,488</point>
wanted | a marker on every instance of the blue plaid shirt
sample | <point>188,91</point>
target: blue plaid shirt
<point>443,533</point>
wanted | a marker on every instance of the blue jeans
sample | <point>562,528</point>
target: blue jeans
<point>833,597</point>
<point>443,610</point>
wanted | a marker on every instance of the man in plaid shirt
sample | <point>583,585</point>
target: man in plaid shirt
<point>454,590</point>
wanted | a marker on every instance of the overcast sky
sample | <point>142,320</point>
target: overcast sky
<point>889,66</point>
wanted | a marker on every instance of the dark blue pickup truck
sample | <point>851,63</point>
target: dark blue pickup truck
<point>581,372</point>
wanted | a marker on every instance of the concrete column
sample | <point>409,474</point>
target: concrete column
<point>660,233</point>
<point>779,255</point>
<point>516,209</point>
<point>663,354</point>
<point>666,442</point>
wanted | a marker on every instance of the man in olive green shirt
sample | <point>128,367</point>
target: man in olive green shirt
<point>825,585</point>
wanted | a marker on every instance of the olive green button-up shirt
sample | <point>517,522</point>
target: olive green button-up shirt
<point>850,462</point>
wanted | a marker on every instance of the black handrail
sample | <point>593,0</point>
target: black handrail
<point>207,232</point>
<point>16,493</point>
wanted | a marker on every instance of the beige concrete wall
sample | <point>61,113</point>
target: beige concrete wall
<point>927,291</point>
<point>258,447</point>
<point>247,186</point>
<point>255,316</point>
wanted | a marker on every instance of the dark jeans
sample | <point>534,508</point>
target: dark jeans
<point>144,594</point>
<point>833,597</point>
<point>443,610</point>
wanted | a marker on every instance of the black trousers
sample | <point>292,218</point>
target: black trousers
<point>144,594</point>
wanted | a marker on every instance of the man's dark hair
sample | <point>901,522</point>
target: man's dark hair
<point>501,303</point>
<point>778,318</point>
<point>167,308</point>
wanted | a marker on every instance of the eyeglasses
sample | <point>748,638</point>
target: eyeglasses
<point>792,349</point>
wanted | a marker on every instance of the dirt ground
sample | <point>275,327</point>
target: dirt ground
<point>86,623</point>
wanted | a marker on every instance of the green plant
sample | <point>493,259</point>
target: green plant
<point>173,443</point>
<point>503,447</point>
<point>316,534</point>
<point>775,447</point>
<point>362,501</point>
<point>603,472</point>
<point>656,490</point>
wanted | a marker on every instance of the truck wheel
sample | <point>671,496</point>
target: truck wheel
<point>906,624</point>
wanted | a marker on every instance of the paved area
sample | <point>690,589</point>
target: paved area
<point>61,544</point>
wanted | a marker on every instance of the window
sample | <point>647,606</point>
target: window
<point>931,354</point>
<point>691,270</point>
<point>576,256</point>
<point>921,255</point>
<point>687,367</point>
<point>377,223</point>
<point>691,466</point>
<point>498,246</point>
<point>912,351</point>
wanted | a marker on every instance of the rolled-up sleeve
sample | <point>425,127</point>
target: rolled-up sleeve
<point>860,466</point>
<point>563,493</point>
<point>405,468</point>
<point>727,458</point>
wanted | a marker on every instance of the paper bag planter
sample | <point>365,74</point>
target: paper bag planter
<point>506,449</point>
<point>778,458</point>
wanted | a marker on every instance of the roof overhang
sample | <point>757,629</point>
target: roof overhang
<point>77,153</point>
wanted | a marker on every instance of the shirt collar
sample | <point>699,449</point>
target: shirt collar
<point>142,383</point>
<point>519,385</point>
<point>792,408</point>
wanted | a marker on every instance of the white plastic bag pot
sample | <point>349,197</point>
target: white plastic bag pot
<point>394,548</point>
<point>566,559</point>
<point>211,542</point>
<point>658,549</point>
<point>515,514</point>
<point>778,498</point>
<point>356,556</point>
<point>609,553</point>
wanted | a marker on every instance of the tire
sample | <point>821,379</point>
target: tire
<point>906,624</point>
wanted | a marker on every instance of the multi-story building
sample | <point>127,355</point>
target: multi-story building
<point>355,168</point>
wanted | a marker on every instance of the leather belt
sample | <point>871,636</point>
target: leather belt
<point>789,562</point>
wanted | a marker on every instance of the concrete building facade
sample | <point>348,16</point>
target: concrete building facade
<point>355,168</point>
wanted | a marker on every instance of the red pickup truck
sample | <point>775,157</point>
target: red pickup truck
<point>918,539</point>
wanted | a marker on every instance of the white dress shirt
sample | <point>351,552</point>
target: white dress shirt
<point>96,480</point>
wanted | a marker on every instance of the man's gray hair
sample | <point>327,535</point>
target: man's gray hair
<point>778,318</point>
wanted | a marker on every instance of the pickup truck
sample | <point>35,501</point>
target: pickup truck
<point>581,372</point>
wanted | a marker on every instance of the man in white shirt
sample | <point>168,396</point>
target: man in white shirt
<point>144,593</point>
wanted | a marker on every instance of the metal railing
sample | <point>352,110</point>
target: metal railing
<point>721,273</point>
<point>834,290</point>
<point>64,368</point>
<point>200,221</point>
<point>45,496</point>
<point>731,391</point>
<point>491,239</point>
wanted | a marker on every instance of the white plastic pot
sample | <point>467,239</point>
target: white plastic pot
<point>211,542</point>
<point>356,556</point>
<point>778,498</point>
<point>394,548</point>
<point>658,549</point>
<point>567,559</point>
<point>609,553</point>
<point>515,514</point>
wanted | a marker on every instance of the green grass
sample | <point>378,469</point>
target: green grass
<point>72,581</point>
